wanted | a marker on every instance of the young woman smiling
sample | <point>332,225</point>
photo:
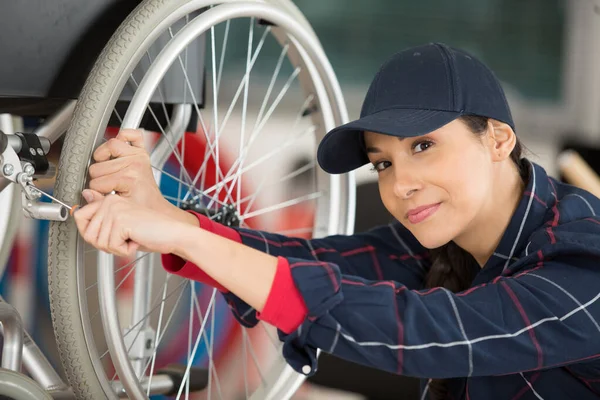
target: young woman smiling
<point>486,285</point>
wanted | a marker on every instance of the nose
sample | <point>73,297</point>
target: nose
<point>406,183</point>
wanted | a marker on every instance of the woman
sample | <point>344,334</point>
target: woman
<point>487,284</point>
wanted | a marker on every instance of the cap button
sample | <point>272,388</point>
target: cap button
<point>306,369</point>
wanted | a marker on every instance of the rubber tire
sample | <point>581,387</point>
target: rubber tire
<point>20,387</point>
<point>72,172</point>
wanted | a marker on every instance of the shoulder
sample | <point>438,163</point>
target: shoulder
<point>574,238</point>
<point>571,223</point>
<point>571,203</point>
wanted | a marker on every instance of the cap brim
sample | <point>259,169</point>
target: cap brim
<point>342,150</point>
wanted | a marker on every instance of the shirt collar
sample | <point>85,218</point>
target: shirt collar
<point>527,218</point>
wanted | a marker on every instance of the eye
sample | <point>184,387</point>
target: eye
<point>380,166</point>
<point>422,145</point>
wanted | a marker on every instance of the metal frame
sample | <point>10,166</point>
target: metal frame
<point>19,349</point>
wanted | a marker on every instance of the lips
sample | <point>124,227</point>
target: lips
<point>420,214</point>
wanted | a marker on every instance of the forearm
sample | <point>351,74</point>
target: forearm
<point>247,272</point>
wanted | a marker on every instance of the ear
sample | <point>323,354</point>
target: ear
<point>501,140</point>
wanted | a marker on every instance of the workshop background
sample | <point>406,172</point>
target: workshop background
<point>544,51</point>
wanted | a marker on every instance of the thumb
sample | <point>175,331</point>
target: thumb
<point>91,195</point>
<point>135,137</point>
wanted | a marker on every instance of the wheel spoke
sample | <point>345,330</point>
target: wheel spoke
<point>244,115</point>
<point>160,337</point>
<point>221,126</point>
<point>208,342</point>
<point>244,80</point>
<point>274,342</point>
<point>160,316</point>
<point>190,330</point>
<point>189,364</point>
<point>175,178</point>
<point>244,362</point>
<point>120,269</point>
<point>285,204</point>
<point>223,48</point>
<point>131,328</point>
<point>255,360</point>
<point>160,93</point>
<point>261,159</point>
<point>261,186</point>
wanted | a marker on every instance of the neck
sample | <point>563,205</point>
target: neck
<point>486,231</point>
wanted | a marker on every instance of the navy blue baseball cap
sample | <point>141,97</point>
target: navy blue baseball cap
<point>416,92</point>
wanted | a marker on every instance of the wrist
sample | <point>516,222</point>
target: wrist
<point>188,240</point>
<point>180,215</point>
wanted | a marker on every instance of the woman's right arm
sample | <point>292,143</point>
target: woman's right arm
<point>387,252</point>
<point>384,253</point>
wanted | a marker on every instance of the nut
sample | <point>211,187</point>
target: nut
<point>8,169</point>
<point>29,170</point>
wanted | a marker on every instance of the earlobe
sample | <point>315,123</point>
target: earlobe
<point>503,140</point>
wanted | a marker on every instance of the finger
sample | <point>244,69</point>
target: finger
<point>134,136</point>
<point>119,241</point>
<point>104,235</point>
<point>113,182</point>
<point>130,248</point>
<point>114,148</point>
<point>84,215</point>
<point>91,195</point>
<point>92,230</point>
<point>108,167</point>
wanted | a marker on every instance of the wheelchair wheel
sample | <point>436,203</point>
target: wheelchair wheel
<point>221,136</point>
<point>16,386</point>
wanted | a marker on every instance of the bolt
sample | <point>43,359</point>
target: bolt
<point>8,169</point>
<point>29,170</point>
<point>40,152</point>
<point>32,151</point>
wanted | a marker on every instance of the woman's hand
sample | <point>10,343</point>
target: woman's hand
<point>125,168</point>
<point>120,226</point>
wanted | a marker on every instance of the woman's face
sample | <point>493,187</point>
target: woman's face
<point>435,184</point>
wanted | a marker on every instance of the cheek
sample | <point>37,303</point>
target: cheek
<point>388,198</point>
<point>466,181</point>
<point>462,183</point>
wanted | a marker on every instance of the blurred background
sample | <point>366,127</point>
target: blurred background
<point>544,51</point>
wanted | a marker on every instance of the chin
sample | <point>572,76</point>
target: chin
<point>432,238</point>
<point>432,242</point>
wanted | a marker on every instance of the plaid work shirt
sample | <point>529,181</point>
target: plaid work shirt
<point>527,328</point>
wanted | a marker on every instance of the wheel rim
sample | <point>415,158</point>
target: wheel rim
<point>279,388</point>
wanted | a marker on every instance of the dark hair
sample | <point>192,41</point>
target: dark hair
<point>452,267</point>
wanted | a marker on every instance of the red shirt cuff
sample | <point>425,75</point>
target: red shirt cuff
<point>285,307</point>
<point>178,266</point>
<point>219,229</point>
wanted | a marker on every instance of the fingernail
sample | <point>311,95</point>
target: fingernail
<point>87,195</point>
